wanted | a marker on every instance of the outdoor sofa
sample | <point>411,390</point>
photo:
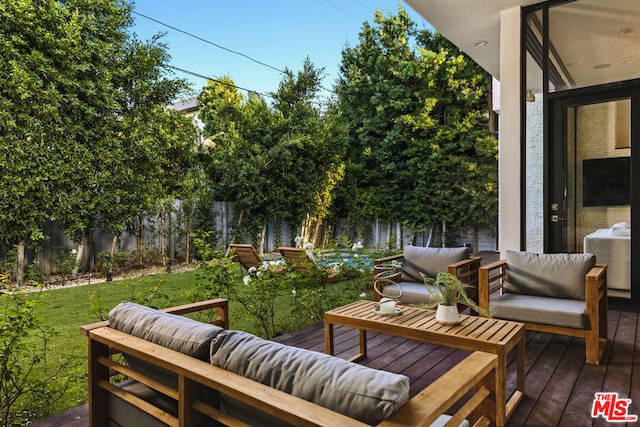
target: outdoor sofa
<point>172,370</point>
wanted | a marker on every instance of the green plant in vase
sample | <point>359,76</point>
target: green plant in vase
<point>447,291</point>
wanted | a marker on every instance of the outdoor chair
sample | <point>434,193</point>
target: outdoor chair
<point>248,258</point>
<point>298,260</point>
<point>562,294</point>
<point>246,255</point>
<point>403,271</point>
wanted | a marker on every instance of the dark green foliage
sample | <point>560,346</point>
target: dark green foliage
<point>28,387</point>
<point>269,161</point>
<point>83,131</point>
<point>421,151</point>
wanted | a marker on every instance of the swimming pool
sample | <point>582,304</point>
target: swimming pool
<point>347,259</point>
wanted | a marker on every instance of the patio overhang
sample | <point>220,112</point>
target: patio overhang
<point>592,41</point>
<point>473,26</point>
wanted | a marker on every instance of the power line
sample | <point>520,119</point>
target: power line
<point>209,42</point>
<point>192,73</point>
<point>365,5</point>
<point>342,10</point>
<point>220,47</point>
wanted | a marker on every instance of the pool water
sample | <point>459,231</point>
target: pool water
<point>350,260</point>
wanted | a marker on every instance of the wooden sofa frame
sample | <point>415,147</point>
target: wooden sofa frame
<point>465,270</point>
<point>492,279</point>
<point>477,372</point>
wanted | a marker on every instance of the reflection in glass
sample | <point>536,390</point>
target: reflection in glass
<point>593,42</point>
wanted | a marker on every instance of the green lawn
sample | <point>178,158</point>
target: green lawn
<point>64,310</point>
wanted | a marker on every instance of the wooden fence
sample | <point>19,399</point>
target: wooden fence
<point>375,234</point>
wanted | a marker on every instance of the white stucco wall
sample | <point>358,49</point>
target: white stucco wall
<point>509,132</point>
<point>495,94</point>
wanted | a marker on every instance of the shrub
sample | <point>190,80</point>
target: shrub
<point>311,298</point>
<point>28,390</point>
<point>65,262</point>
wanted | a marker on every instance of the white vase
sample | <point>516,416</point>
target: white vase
<point>447,314</point>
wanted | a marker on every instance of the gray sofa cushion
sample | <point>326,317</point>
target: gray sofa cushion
<point>551,275</point>
<point>429,261</point>
<point>412,292</point>
<point>178,333</point>
<point>366,394</point>
<point>569,313</point>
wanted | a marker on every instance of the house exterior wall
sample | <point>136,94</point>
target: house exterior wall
<point>534,176</point>
<point>509,132</point>
<point>495,94</point>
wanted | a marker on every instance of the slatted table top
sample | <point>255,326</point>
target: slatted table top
<point>472,333</point>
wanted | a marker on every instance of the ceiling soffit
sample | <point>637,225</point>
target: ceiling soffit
<point>586,35</point>
<point>467,23</point>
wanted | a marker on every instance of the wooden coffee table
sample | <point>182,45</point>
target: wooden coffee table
<point>473,333</point>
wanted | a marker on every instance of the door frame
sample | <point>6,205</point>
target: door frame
<point>556,130</point>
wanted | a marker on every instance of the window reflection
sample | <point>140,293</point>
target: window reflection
<point>593,42</point>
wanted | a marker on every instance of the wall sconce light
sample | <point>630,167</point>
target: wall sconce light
<point>531,97</point>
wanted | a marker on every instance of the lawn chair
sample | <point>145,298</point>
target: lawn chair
<point>298,260</point>
<point>246,255</point>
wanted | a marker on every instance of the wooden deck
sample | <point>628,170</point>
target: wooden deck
<point>560,386</point>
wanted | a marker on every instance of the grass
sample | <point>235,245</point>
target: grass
<point>64,310</point>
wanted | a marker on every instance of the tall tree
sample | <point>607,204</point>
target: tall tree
<point>452,152</point>
<point>421,149</point>
<point>378,85</point>
<point>145,134</point>
<point>269,161</point>
<point>37,42</point>
<point>307,151</point>
<point>220,104</point>
<point>81,112</point>
<point>90,145</point>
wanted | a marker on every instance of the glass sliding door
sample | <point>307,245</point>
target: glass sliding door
<point>581,113</point>
<point>591,184</point>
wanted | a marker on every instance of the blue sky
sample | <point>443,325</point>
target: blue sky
<point>280,33</point>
